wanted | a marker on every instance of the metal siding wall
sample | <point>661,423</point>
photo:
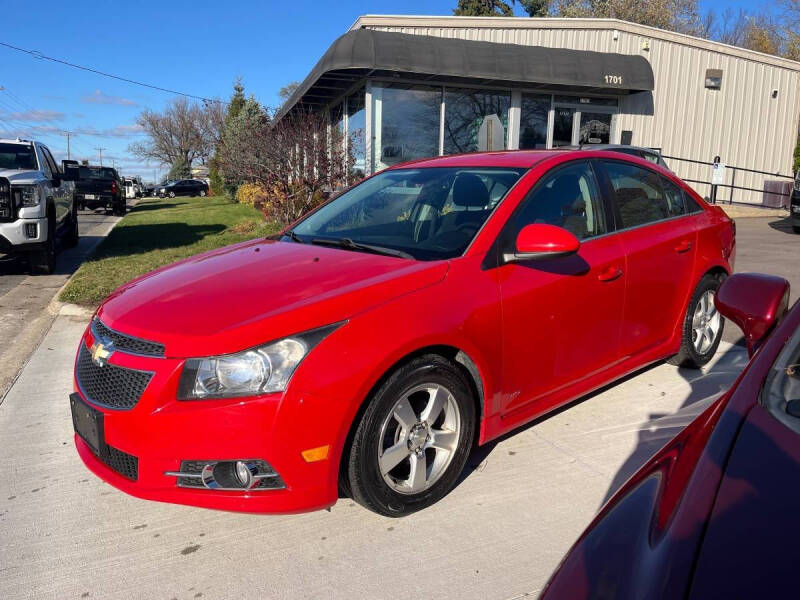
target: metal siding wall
<point>741,122</point>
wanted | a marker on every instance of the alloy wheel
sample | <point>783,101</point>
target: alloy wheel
<point>419,438</point>
<point>706,323</point>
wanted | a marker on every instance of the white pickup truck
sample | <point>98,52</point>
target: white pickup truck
<point>37,203</point>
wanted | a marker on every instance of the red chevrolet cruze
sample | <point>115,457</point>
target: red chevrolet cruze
<point>434,305</point>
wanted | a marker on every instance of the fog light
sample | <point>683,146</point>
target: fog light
<point>244,474</point>
<point>31,230</point>
<point>231,475</point>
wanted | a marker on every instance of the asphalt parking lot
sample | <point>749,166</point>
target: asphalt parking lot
<point>498,534</point>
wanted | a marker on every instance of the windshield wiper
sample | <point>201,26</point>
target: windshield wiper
<point>348,243</point>
<point>293,236</point>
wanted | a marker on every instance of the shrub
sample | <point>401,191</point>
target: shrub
<point>251,193</point>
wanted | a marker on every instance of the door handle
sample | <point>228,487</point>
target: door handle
<point>684,246</point>
<point>610,274</point>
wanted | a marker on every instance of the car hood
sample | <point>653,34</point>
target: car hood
<point>244,295</point>
<point>21,176</point>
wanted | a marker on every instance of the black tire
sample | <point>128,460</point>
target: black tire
<point>688,355</point>
<point>43,262</point>
<point>202,193</point>
<point>172,194</point>
<point>796,228</point>
<point>363,477</point>
<point>119,209</point>
<point>72,235</point>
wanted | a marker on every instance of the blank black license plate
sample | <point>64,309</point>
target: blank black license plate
<point>88,422</point>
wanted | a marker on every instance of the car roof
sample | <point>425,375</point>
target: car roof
<point>504,158</point>
<point>516,158</point>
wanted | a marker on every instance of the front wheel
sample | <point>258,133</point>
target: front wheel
<point>43,262</point>
<point>702,325</point>
<point>202,193</point>
<point>414,438</point>
<point>172,194</point>
<point>796,228</point>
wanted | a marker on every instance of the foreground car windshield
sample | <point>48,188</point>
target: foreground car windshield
<point>431,213</point>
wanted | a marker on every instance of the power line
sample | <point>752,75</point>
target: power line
<point>38,55</point>
<point>100,150</point>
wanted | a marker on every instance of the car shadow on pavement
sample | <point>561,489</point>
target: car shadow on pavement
<point>654,433</point>
<point>784,225</point>
<point>706,386</point>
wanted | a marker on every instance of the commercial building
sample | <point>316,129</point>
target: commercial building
<point>406,87</point>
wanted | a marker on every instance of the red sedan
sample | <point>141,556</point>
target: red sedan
<point>435,305</point>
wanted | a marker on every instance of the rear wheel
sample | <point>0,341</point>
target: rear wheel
<point>43,262</point>
<point>172,194</point>
<point>202,193</point>
<point>414,438</point>
<point>119,209</point>
<point>796,228</point>
<point>702,325</point>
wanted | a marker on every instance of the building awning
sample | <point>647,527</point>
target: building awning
<point>367,52</point>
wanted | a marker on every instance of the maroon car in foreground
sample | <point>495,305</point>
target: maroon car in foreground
<point>715,513</point>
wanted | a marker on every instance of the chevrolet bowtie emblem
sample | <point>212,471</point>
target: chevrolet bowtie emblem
<point>101,352</point>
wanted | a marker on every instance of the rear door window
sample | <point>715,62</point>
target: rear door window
<point>637,194</point>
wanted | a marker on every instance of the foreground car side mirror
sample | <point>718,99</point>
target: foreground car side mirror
<point>71,170</point>
<point>755,302</point>
<point>539,241</point>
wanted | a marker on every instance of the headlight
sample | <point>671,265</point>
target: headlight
<point>162,190</point>
<point>260,370</point>
<point>27,195</point>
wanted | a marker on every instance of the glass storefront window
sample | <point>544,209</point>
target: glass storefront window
<point>533,121</point>
<point>475,120</point>
<point>357,132</point>
<point>405,123</point>
<point>595,128</point>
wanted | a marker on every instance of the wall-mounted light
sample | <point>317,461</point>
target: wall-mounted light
<point>645,44</point>
<point>775,93</point>
<point>713,79</point>
<point>615,35</point>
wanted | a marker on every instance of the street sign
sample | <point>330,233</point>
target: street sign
<point>718,174</point>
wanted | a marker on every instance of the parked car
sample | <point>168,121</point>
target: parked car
<point>434,304</point>
<point>37,204</point>
<point>184,187</point>
<point>652,155</point>
<point>795,203</point>
<point>714,513</point>
<point>131,191</point>
<point>101,187</point>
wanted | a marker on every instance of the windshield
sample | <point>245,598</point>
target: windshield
<point>96,173</point>
<point>429,213</point>
<point>17,156</point>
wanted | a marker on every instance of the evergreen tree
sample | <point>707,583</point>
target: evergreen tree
<point>483,8</point>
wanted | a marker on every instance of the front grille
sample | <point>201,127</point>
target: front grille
<point>126,343</point>
<point>123,463</point>
<point>110,385</point>
<point>6,203</point>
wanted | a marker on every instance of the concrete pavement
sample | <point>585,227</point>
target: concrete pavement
<point>498,534</point>
<point>24,299</point>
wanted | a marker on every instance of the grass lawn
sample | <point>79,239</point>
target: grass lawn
<point>157,232</point>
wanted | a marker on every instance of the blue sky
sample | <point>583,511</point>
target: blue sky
<point>194,47</point>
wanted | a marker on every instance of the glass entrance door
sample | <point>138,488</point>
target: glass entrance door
<point>595,128</point>
<point>563,126</point>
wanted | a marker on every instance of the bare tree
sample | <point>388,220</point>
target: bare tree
<point>184,131</point>
<point>296,159</point>
<point>682,16</point>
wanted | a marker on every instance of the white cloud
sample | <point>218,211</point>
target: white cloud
<point>34,116</point>
<point>99,97</point>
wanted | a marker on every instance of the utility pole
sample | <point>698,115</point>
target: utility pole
<point>100,150</point>
<point>68,133</point>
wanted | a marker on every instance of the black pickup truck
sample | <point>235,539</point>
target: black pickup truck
<point>100,187</point>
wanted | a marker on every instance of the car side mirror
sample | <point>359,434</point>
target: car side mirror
<point>539,241</point>
<point>755,302</point>
<point>71,170</point>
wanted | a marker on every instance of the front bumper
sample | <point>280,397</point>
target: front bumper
<point>14,237</point>
<point>160,432</point>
